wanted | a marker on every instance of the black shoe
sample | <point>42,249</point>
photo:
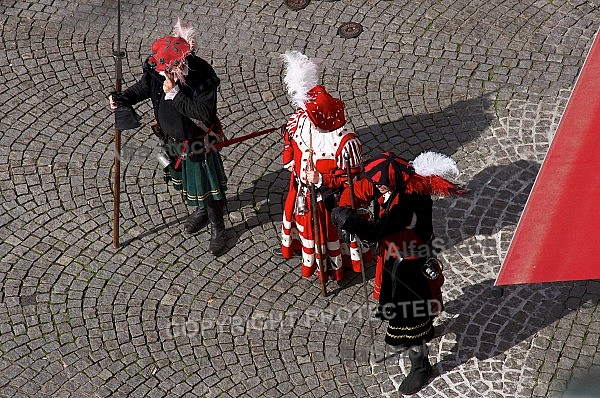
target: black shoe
<point>196,221</point>
<point>217,228</point>
<point>420,371</point>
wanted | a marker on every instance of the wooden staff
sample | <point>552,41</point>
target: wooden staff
<point>360,254</point>
<point>117,177</point>
<point>316,224</point>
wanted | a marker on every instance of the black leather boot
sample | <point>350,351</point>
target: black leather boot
<point>217,228</point>
<point>420,370</point>
<point>196,221</point>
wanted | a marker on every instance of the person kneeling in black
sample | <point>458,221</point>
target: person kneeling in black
<point>408,276</point>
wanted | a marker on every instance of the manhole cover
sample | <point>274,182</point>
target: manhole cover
<point>349,30</point>
<point>296,4</point>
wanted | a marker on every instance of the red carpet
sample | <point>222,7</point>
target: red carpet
<point>558,235</point>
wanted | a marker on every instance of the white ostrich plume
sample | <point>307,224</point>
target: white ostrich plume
<point>300,77</point>
<point>186,32</point>
<point>433,163</point>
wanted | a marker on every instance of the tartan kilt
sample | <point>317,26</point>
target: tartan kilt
<point>200,181</point>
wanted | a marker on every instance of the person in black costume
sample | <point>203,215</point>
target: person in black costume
<point>183,91</point>
<point>408,276</point>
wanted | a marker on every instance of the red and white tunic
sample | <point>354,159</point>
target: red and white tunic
<point>328,149</point>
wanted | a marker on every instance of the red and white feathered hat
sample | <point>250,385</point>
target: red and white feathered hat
<point>323,110</point>
<point>169,53</point>
<point>426,175</point>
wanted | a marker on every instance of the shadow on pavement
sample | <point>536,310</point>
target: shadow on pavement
<point>488,326</point>
<point>151,231</point>
<point>496,199</point>
<point>258,205</point>
<point>445,131</point>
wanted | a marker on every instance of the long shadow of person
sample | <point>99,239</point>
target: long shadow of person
<point>445,131</point>
<point>485,326</point>
<point>259,204</point>
<point>496,198</point>
<point>481,327</point>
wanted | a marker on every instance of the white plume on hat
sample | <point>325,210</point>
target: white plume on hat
<point>433,163</point>
<point>300,77</point>
<point>186,32</point>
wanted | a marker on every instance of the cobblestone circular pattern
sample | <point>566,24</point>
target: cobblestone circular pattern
<point>485,82</point>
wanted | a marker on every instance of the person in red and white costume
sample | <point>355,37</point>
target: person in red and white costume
<point>317,141</point>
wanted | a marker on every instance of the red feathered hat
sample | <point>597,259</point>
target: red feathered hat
<point>169,52</point>
<point>389,170</point>
<point>423,176</point>
<point>325,111</point>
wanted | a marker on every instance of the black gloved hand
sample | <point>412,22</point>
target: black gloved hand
<point>340,215</point>
<point>119,99</point>
<point>330,198</point>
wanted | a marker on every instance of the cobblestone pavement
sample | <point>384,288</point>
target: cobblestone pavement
<point>483,81</point>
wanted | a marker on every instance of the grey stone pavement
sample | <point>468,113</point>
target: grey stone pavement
<point>483,81</point>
